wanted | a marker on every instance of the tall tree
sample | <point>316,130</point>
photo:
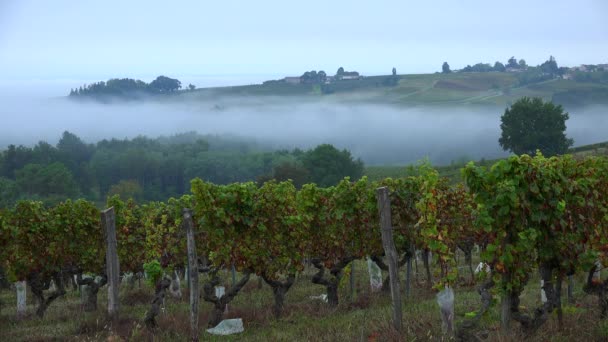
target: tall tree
<point>499,67</point>
<point>322,76</point>
<point>550,66</point>
<point>522,64</point>
<point>531,124</point>
<point>14,158</point>
<point>327,165</point>
<point>164,84</point>
<point>74,148</point>
<point>445,68</point>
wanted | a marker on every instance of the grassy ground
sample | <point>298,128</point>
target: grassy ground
<point>365,317</point>
<point>375,173</point>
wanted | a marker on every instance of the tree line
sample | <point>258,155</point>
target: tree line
<point>526,74</point>
<point>128,88</point>
<point>156,168</point>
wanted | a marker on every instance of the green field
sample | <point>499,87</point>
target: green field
<point>488,88</point>
<point>376,173</point>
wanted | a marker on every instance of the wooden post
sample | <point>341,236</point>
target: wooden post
<point>192,274</point>
<point>416,265</point>
<point>505,315</point>
<point>505,308</point>
<point>570,289</point>
<point>112,265</point>
<point>505,305</point>
<point>408,277</point>
<point>187,275</point>
<point>352,280</point>
<point>384,207</point>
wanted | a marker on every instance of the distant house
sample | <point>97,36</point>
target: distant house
<point>349,75</point>
<point>509,69</point>
<point>582,67</point>
<point>292,80</point>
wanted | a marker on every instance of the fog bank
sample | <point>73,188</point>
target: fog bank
<point>375,133</point>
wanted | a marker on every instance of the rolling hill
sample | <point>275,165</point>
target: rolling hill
<point>471,88</point>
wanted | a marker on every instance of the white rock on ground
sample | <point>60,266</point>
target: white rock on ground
<point>375,275</point>
<point>228,327</point>
<point>322,297</point>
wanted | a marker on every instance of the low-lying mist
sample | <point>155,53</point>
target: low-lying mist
<point>377,134</point>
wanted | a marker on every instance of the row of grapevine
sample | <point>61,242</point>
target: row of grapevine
<point>541,213</point>
<point>39,245</point>
<point>526,213</point>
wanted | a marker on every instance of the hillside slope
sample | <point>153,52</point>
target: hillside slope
<point>488,88</point>
<point>453,171</point>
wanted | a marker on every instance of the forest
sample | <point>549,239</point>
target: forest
<point>149,169</point>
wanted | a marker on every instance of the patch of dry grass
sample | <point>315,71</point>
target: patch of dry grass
<point>366,317</point>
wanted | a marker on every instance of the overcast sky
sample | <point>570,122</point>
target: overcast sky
<point>109,38</point>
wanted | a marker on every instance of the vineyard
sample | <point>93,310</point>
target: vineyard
<point>526,217</point>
